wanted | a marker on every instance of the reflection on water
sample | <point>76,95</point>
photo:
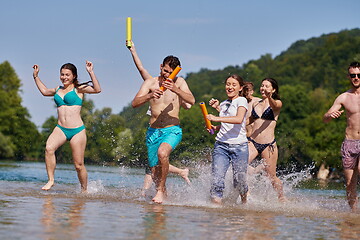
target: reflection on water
<point>265,222</point>
<point>155,222</point>
<point>55,218</point>
<point>163,222</point>
<point>114,210</point>
<point>349,229</point>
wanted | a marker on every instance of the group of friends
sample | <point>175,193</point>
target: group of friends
<point>246,129</point>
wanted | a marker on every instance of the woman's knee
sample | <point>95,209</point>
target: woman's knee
<point>79,166</point>
<point>275,181</point>
<point>49,150</point>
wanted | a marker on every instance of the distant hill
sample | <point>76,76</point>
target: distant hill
<point>316,62</point>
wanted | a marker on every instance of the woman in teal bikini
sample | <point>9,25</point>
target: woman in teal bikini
<point>262,141</point>
<point>70,127</point>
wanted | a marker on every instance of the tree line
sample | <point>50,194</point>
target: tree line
<point>311,73</point>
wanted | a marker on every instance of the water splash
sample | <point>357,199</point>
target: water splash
<point>125,184</point>
<point>96,187</point>
<point>262,196</point>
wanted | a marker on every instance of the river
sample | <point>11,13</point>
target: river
<point>113,208</point>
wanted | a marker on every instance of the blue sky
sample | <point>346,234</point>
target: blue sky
<point>202,33</point>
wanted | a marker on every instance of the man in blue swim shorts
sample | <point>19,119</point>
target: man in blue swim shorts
<point>350,149</point>
<point>164,133</point>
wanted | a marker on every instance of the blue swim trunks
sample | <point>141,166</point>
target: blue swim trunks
<point>156,136</point>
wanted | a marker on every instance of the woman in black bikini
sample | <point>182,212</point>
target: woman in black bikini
<point>262,141</point>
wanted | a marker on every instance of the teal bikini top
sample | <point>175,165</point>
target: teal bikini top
<point>70,99</point>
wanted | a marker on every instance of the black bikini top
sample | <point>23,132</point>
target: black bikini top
<point>268,114</point>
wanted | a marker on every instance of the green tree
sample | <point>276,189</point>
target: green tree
<point>103,136</point>
<point>290,129</point>
<point>20,136</point>
<point>6,147</point>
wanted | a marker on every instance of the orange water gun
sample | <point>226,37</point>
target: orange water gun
<point>207,121</point>
<point>172,76</point>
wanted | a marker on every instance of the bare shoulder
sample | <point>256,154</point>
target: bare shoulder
<point>348,98</point>
<point>256,99</point>
<point>180,82</point>
<point>279,104</point>
<point>151,81</point>
<point>82,88</point>
<point>180,79</point>
<point>342,98</point>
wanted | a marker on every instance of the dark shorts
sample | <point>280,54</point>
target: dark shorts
<point>350,151</point>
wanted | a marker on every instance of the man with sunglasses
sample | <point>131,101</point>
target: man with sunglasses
<point>350,148</point>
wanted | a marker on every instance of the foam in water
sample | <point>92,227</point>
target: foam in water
<point>96,187</point>
<point>262,196</point>
<point>125,184</point>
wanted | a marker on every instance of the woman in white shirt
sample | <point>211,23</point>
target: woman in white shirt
<point>231,146</point>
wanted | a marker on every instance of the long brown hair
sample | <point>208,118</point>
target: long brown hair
<point>275,86</point>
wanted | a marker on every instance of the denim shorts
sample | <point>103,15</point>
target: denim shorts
<point>223,155</point>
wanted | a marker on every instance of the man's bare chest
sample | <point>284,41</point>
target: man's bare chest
<point>352,104</point>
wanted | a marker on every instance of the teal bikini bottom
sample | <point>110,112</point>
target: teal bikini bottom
<point>70,132</point>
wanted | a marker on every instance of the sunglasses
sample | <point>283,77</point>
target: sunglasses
<point>354,75</point>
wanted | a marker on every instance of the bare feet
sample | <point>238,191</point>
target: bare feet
<point>353,203</point>
<point>159,197</point>
<point>244,198</point>
<point>48,185</point>
<point>355,210</point>
<point>283,199</point>
<point>185,175</point>
<point>216,200</point>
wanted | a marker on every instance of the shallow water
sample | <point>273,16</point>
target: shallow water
<point>113,208</point>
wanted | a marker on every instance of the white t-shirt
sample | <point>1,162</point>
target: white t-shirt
<point>232,133</point>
